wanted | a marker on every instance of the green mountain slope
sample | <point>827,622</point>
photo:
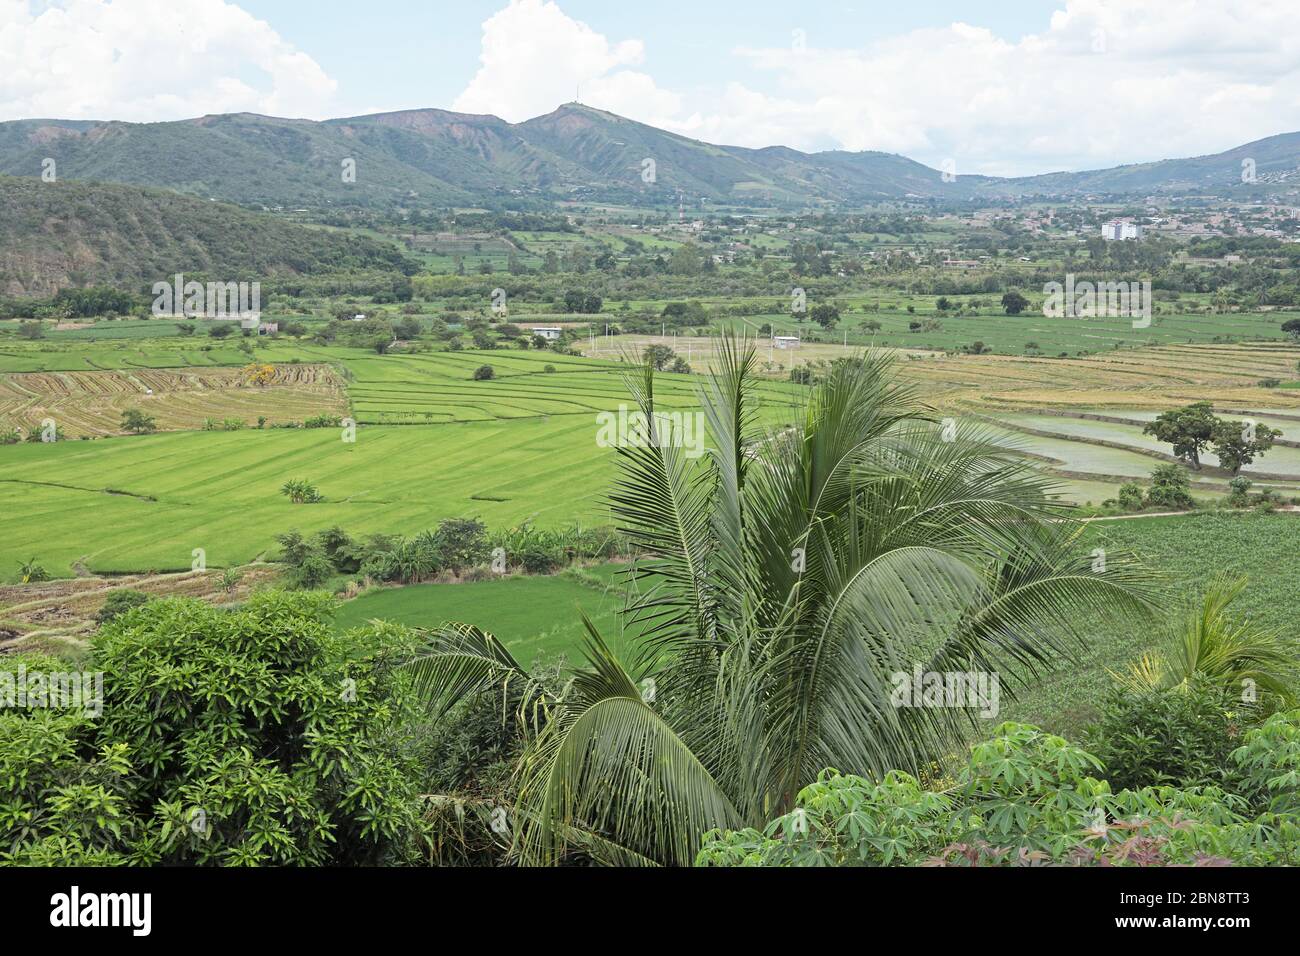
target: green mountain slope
<point>55,235</point>
<point>1276,163</point>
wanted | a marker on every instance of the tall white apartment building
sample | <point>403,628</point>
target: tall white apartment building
<point>1118,230</point>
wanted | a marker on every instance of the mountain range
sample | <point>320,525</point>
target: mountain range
<point>434,158</point>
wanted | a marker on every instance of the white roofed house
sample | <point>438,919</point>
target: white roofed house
<point>549,332</point>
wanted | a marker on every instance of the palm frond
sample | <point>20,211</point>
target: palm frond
<point>459,661</point>
<point>610,765</point>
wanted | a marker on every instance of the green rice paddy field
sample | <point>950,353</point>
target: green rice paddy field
<point>535,617</point>
<point>522,446</point>
<point>1009,335</point>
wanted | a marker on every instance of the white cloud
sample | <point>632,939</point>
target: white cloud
<point>1108,82</point>
<point>536,57</point>
<point>147,60</point>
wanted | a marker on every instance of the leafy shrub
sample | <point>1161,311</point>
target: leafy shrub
<point>412,560</point>
<point>1027,797</point>
<point>58,807</point>
<point>339,548</point>
<point>484,372</point>
<point>1130,496</point>
<point>1269,764</point>
<point>1182,737</point>
<point>457,545</point>
<point>249,737</point>
<point>462,543</point>
<point>1239,492</point>
<point>119,602</point>
<point>313,572</point>
<point>544,551</point>
<point>294,548</point>
<point>323,421</point>
<point>38,435</point>
<point>1170,488</point>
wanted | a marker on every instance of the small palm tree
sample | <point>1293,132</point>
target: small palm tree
<point>1239,655</point>
<point>788,578</point>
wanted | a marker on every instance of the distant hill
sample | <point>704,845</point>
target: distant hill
<point>55,235</point>
<point>1275,160</point>
<point>434,158</point>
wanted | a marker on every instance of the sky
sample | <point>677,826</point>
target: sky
<point>1012,87</point>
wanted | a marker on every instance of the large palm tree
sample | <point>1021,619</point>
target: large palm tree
<point>783,581</point>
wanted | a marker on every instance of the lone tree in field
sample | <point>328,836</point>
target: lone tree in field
<point>31,330</point>
<point>258,374</point>
<point>827,316</point>
<point>1292,328</point>
<point>137,421</point>
<point>1013,303</point>
<point>484,372</point>
<point>1190,430</point>
<point>1237,444</point>
<point>790,585</point>
<point>658,355</point>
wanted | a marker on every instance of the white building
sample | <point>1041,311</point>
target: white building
<point>785,341</point>
<point>550,333</point>
<point>1119,230</point>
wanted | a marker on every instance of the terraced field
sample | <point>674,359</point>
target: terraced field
<point>1156,378</point>
<point>439,387</point>
<point>519,446</point>
<point>71,356</point>
<point>522,446</point>
<point>92,403</point>
<point>1045,405</point>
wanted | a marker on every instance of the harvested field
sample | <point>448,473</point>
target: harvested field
<point>62,612</point>
<point>92,403</point>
